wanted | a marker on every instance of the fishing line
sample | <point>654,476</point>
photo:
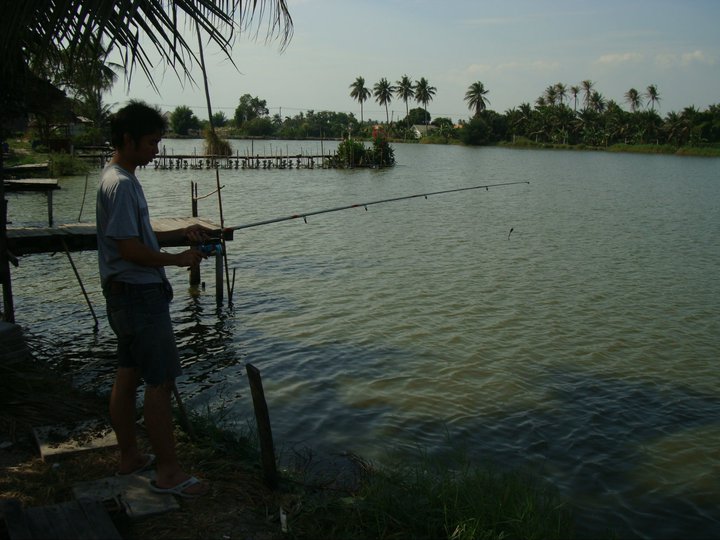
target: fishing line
<point>305,215</point>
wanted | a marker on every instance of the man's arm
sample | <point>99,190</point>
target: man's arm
<point>194,234</point>
<point>133,250</point>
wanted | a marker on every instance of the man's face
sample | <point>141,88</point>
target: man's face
<point>145,149</point>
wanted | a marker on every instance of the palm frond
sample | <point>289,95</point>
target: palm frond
<point>139,29</point>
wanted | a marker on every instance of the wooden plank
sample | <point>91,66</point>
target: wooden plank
<point>27,166</point>
<point>32,184</point>
<point>62,526</point>
<point>83,236</point>
<point>40,526</point>
<point>15,520</point>
<point>79,520</point>
<point>59,440</point>
<point>79,526</point>
<point>99,519</point>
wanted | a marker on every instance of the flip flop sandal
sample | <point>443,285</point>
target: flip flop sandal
<point>179,489</point>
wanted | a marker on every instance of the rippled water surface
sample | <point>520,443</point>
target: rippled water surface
<point>582,346</point>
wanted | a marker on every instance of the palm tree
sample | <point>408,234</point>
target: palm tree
<point>550,95</point>
<point>359,93</point>
<point>424,94</point>
<point>405,90</point>
<point>87,77</point>
<point>383,92</point>
<point>633,98</point>
<point>587,88</point>
<point>475,97</point>
<point>652,95</point>
<point>561,92</point>
<point>598,102</point>
<point>574,92</point>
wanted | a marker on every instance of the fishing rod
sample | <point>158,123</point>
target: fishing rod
<point>305,215</point>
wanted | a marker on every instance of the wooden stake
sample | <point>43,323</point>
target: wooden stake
<point>262,416</point>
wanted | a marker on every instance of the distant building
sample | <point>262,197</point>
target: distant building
<point>420,130</point>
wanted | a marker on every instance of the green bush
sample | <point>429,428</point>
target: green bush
<point>353,153</point>
<point>350,153</point>
<point>381,154</point>
<point>61,164</point>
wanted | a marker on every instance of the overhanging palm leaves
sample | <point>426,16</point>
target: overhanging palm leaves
<point>31,29</point>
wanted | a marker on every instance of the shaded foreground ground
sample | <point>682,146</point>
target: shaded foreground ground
<point>239,505</point>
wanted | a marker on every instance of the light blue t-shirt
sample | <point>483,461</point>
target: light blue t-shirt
<point>122,213</point>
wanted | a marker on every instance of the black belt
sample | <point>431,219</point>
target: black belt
<point>116,287</point>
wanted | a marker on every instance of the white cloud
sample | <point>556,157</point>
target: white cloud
<point>620,58</point>
<point>668,60</point>
<point>476,69</point>
<point>535,65</point>
<point>696,57</point>
<point>545,65</point>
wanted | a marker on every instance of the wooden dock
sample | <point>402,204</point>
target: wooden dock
<point>43,185</point>
<point>22,171</point>
<point>83,236</point>
<point>280,161</point>
<point>211,162</point>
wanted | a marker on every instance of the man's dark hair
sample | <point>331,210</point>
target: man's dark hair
<point>136,119</point>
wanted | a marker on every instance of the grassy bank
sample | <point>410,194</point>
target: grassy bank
<point>666,149</point>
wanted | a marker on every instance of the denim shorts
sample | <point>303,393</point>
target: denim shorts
<point>140,317</point>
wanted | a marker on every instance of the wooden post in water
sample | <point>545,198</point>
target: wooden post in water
<point>219,278</point>
<point>5,279</point>
<point>195,269</point>
<point>262,416</point>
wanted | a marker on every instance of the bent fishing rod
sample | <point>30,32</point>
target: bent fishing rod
<point>365,205</point>
<point>217,245</point>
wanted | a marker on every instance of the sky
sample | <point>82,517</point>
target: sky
<point>516,48</point>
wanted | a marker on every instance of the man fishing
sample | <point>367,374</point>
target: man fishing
<point>137,294</point>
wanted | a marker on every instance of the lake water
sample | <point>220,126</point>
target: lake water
<point>583,346</point>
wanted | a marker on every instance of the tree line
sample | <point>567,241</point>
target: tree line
<point>561,115</point>
<point>592,120</point>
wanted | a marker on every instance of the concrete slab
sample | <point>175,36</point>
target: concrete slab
<point>131,492</point>
<point>55,441</point>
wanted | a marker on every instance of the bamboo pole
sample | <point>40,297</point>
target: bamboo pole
<point>82,287</point>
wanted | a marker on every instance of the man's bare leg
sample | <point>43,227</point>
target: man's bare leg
<point>122,415</point>
<point>159,424</point>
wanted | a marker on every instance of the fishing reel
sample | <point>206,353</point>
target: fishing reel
<point>211,248</point>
